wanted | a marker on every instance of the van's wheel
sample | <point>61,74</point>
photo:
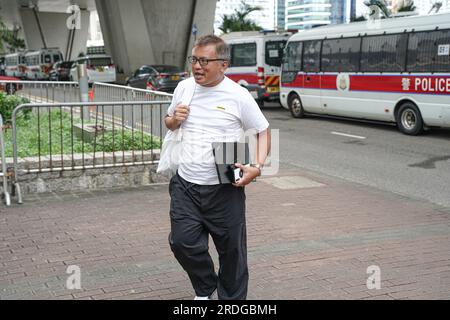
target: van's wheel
<point>409,120</point>
<point>295,106</point>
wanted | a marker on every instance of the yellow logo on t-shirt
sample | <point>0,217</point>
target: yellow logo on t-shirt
<point>220,107</point>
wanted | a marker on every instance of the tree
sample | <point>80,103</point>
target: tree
<point>238,21</point>
<point>10,39</point>
<point>381,4</point>
<point>407,5</point>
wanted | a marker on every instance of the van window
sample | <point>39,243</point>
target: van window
<point>293,57</point>
<point>274,52</point>
<point>100,62</point>
<point>56,57</point>
<point>311,56</point>
<point>428,51</point>
<point>384,53</point>
<point>32,60</point>
<point>340,55</point>
<point>47,58</point>
<point>243,55</point>
<point>292,61</point>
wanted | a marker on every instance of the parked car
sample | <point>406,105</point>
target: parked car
<point>157,77</point>
<point>9,88</point>
<point>60,71</point>
<point>100,68</point>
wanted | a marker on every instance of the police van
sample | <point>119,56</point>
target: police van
<point>255,62</point>
<point>40,62</point>
<point>15,65</point>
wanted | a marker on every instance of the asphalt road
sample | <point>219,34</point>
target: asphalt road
<point>380,156</point>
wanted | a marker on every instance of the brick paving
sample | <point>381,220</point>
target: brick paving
<point>303,243</point>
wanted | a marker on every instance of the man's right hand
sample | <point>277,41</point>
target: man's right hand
<point>181,113</point>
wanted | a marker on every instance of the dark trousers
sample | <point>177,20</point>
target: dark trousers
<point>197,211</point>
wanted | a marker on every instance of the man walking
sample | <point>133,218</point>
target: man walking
<point>218,109</point>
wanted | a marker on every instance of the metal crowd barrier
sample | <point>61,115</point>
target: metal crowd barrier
<point>111,92</point>
<point>65,91</point>
<point>104,92</point>
<point>71,135</point>
<point>3,173</point>
<point>43,91</point>
<point>60,128</point>
<point>9,188</point>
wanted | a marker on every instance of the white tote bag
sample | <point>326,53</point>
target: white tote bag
<point>171,148</point>
<point>170,153</point>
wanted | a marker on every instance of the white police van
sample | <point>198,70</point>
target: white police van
<point>255,62</point>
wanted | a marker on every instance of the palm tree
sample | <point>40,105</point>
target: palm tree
<point>381,4</point>
<point>408,5</point>
<point>3,32</point>
<point>238,21</point>
<point>357,19</point>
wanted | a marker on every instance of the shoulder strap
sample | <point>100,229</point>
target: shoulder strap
<point>188,94</point>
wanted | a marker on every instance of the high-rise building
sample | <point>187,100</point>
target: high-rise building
<point>353,9</point>
<point>340,11</point>
<point>307,14</point>
<point>280,14</point>
<point>264,18</point>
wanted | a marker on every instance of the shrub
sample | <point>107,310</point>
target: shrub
<point>125,141</point>
<point>7,105</point>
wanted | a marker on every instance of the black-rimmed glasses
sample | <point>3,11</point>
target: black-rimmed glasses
<point>203,61</point>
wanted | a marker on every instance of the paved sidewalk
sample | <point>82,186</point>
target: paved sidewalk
<point>309,237</point>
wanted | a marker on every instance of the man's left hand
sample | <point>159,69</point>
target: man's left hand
<point>249,174</point>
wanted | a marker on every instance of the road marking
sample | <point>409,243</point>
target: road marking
<point>37,99</point>
<point>292,182</point>
<point>288,204</point>
<point>347,135</point>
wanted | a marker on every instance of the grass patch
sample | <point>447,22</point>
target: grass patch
<point>52,132</point>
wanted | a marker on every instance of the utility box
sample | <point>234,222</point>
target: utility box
<point>88,131</point>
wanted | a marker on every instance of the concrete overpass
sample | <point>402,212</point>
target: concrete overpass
<point>153,31</point>
<point>135,32</point>
<point>43,23</point>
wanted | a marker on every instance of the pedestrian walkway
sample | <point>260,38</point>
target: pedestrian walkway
<point>309,237</point>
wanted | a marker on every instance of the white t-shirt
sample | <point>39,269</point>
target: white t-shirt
<point>217,114</point>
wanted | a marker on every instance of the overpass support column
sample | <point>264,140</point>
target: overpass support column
<point>54,29</point>
<point>140,32</point>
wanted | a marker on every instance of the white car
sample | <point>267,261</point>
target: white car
<point>100,68</point>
